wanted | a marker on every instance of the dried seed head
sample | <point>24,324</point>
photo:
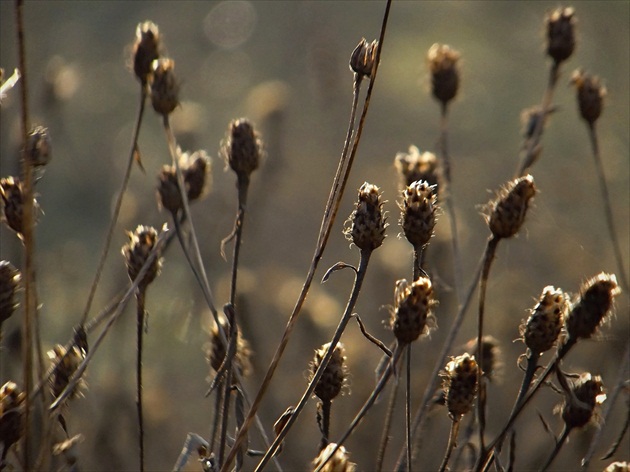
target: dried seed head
<point>334,376</point>
<point>215,350</point>
<point>586,393</point>
<point>145,50</point>
<point>413,166</point>
<point>196,169</point>
<point>491,362</point>
<point>541,330</point>
<point>11,427</point>
<point>460,385</point>
<point>363,58</point>
<point>12,203</point>
<point>417,218</point>
<point>412,314</point>
<point>590,95</point>
<point>169,196</point>
<point>136,252</point>
<point>38,147</point>
<point>242,148</point>
<point>9,284</point>
<point>444,72</point>
<point>366,225</point>
<point>618,467</point>
<point>560,25</point>
<point>507,211</point>
<point>339,462</point>
<point>592,305</point>
<point>164,86</point>
<point>66,363</point>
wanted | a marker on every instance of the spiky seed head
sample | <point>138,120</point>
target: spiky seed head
<point>339,462</point>
<point>366,225</point>
<point>38,147</point>
<point>460,385</point>
<point>169,196</point>
<point>363,58</point>
<point>146,49</point>
<point>586,393</point>
<point>592,306</point>
<point>491,362</point>
<point>542,328</point>
<point>196,170</point>
<point>9,284</point>
<point>418,213</point>
<point>618,466</point>
<point>215,350</point>
<point>137,251</point>
<point>164,86</point>
<point>11,413</point>
<point>412,314</point>
<point>442,61</point>
<point>12,203</point>
<point>66,363</point>
<point>507,211</point>
<point>590,95</point>
<point>560,25</point>
<point>242,148</point>
<point>414,165</point>
<point>334,375</point>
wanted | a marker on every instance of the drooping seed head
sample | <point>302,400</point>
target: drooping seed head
<point>363,58</point>
<point>590,95</point>
<point>242,148</point>
<point>507,211</point>
<point>334,375</point>
<point>339,462</point>
<point>541,330</point>
<point>414,165</point>
<point>137,251</point>
<point>491,362</point>
<point>11,414</point>
<point>146,49</point>
<point>579,406</point>
<point>9,284</point>
<point>412,314</point>
<point>460,385</point>
<point>442,61</point>
<point>366,225</point>
<point>560,25</point>
<point>164,86</point>
<point>418,213</point>
<point>38,147</point>
<point>592,306</point>
<point>66,363</point>
<point>215,350</point>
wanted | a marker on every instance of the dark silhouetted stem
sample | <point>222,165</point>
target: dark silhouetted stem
<point>452,440</point>
<point>559,443</point>
<point>140,299</point>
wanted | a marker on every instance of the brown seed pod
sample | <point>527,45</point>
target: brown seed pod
<point>507,211</point>
<point>215,350</point>
<point>460,384</point>
<point>412,314</point>
<point>334,375</point>
<point>418,209</point>
<point>366,225</point>
<point>339,462</point>
<point>64,369</point>
<point>11,427</point>
<point>136,252</point>
<point>541,330</point>
<point>38,147</point>
<point>363,57</point>
<point>12,203</point>
<point>586,393</point>
<point>242,148</point>
<point>145,50</point>
<point>9,284</point>
<point>164,86</point>
<point>169,196</point>
<point>590,95</point>
<point>196,169</point>
<point>442,61</point>
<point>560,25</point>
<point>414,165</point>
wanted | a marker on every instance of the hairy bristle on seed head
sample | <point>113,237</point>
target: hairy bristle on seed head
<point>164,86</point>
<point>11,413</point>
<point>590,95</point>
<point>363,58</point>
<point>586,393</point>
<point>12,203</point>
<point>242,149</point>
<point>137,251</point>
<point>145,50</point>
<point>507,212</point>
<point>418,213</point>
<point>541,329</point>
<point>412,315</point>
<point>414,165</point>
<point>339,462</point>
<point>444,71</point>
<point>334,376</point>
<point>560,24</point>
<point>367,223</point>
<point>460,384</point>
<point>9,285</point>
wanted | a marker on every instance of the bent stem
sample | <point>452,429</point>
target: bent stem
<point>452,441</point>
<point>140,317</point>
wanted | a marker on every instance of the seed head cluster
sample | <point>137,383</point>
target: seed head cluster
<point>560,25</point>
<point>9,284</point>
<point>418,213</point>
<point>367,222</point>
<point>412,314</point>
<point>542,328</point>
<point>444,70</point>
<point>332,380</point>
<point>460,385</point>
<point>507,211</point>
<point>586,393</point>
<point>414,165</point>
<point>590,95</point>
<point>137,251</point>
<point>339,462</point>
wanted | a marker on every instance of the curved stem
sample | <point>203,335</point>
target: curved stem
<point>452,440</point>
<point>140,317</point>
<point>561,442</point>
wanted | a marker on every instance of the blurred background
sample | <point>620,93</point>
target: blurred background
<point>284,64</point>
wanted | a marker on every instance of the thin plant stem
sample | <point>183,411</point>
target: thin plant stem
<point>243,186</point>
<point>559,443</point>
<point>217,416</point>
<point>230,353</point>
<point>408,408</point>
<point>452,441</point>
<point>326,406</point>
<point>386,427</point>
<point>140,317</point>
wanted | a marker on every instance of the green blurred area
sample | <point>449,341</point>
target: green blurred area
<point>284,65</point>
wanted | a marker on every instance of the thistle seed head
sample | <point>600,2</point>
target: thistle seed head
<point>136,252</point>
<point>242,148</point>
<point>560,25</point>
<point>169,196</point>
<point>590,95</point>
<point>11,427</point>
<point>9,284</point>
<point>366,225</point>
<point>586,393</point>
<point>164,86</point>
<point>414,165</point>
<point>418,209</point>
<point>442,61</point>
<point>215,350</point>
<point>592,306</point>
<point>460,385</point>
<point>332,380</point>
<point>196,170</point>
<point>64,369</point>
<point>541,330</point>
<point>38,147</point>
<point>146,49</point>
<point>412,314</point>
<point>339,462</point>
<point>618,467</point>
<point>507,211</point>
<point>491,362</point>
<point>12,203</point>
<point>363,58</point>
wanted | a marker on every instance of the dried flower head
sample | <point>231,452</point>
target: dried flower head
<point>334,375</point>
<point>418,213</point>
<point>242,148</point>
<point>145,50</point>
<point>66,363</point>
<point>491,362</point>
<point>12,204</point>
<point>9,284</point>
<point>560,25</point>
<point>11,427</point>
<point>169,196</point>
<point>363,58</point>
<point>460,384</point>
<point>164,86</point>
<point>592,306</point>
<point>38,147</point>
<point>137,251</point>
<point>618,467</point>
<point>590,95</point>
<point>579,407</point>
<point>507,211</point>
<point>215,350</point>
<point>366,225</point>
<point>339,462</point>
<point>196,169</point>
<point>442,61</point>
<point>414,165</point>
<point>412,314</point>
<point>541,330</point>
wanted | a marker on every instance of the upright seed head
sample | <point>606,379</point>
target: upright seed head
<point>546,319</point>
<point>242,148</point>
<point>442,61</point>
<point>418,209</point>
<point>339,462</point>
<point>11,413</point>
<point>12,203</point>
<point>367,222</point>
<point>215,350</point>
<point>363,58</point>
<point>196,170</point>
<point>137,251</point>
<point>507,211</point>
<point>579,406</point>
<point>412,314</point>
<point>38,147</point>
<point>592,306</point>
<point>460,385</point>
<point>9,284</point>
<point>146,49</point>
<point>590,95</point>
<point>491,362</point>
<point>169,196</point>
<point>164,86</point>
<point>414,165</point>
<point>560,24</point>
<point>334,375</point>
<point>64,369</point>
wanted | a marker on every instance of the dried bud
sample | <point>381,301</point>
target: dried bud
<point>491,362</point>
<point>11,427</point>
<point>367,229</point>
<point>145,50</point>
<point>196,169</point>
<point>12,198</point>
<point>169,196</point>
<point>242,148</point>
<point>585,394</point>
<point>66,363</point>
<point>215,350</point>
<point>590,95</point>
<point>363,58</point>
<point>136,252</point>
<point>9,284</point>
<point>592,305</point>
<point>38,147</point>
<point>412,314</point>
<point>460,385</point>
<point>334,375</point>
<point>339,462</point>
<point>418,207</point>
<point>444,72</point>
<point>560,33</point>
<point>542,328</point>
<point>413,166</point>
<point>164,86</point>
<point>507,211</point>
